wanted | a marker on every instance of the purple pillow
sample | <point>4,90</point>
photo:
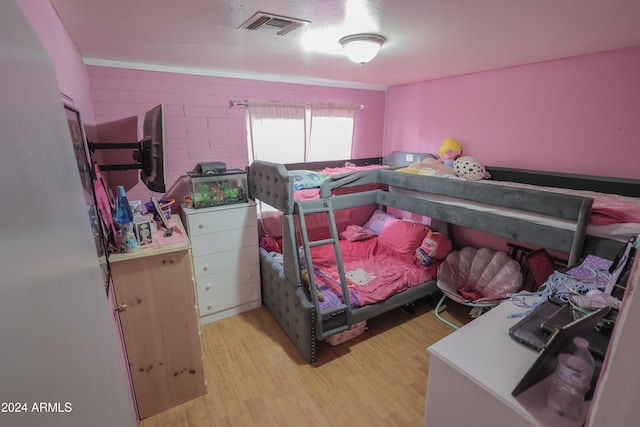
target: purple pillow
<point>378,220</point>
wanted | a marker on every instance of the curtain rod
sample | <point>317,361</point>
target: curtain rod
<point>244,102</point>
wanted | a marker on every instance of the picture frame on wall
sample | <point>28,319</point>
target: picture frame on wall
<point>87,179</point>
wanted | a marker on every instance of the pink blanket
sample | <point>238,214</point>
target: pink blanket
<point>610,210</point>
<point>373,272</point>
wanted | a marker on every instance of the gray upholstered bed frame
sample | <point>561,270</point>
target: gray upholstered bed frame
<point>283,292</point>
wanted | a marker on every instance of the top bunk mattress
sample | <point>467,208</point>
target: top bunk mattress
<point>612,216</point>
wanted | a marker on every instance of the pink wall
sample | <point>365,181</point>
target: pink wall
<point>578,115</point>
<point>70,70</point>
<point>199,124</point>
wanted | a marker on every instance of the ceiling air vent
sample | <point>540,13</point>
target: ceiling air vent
<point>281,25</point>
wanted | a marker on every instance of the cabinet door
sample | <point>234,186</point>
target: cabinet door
<point>160,330</point>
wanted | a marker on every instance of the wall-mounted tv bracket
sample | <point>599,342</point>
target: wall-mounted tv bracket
<point>141,154</point>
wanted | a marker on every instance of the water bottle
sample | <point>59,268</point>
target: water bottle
<point>572,380</point>
<point>124,222</point>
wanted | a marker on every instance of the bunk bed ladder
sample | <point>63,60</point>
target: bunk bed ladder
<point>327,208</point>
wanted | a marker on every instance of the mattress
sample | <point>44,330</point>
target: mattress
<point>373,272</point>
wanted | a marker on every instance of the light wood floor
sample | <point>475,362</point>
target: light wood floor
<point>256,377</point>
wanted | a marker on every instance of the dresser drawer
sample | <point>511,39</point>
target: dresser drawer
<point>228,279</point>
<point>223,300</point>
<point>221,219</point>
<point>221,241</point>
<point>222,261</point>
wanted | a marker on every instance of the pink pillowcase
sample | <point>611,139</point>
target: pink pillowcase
<point>356,233</point>
<point>403,236</point>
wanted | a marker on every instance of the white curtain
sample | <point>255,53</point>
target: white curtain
<point>331,131</point>
<point>277,131</point>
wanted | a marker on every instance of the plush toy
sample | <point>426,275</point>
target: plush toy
<point>471,169</point>
<point>307,284</point>
<point>449,151</point>
<point>434,246</point>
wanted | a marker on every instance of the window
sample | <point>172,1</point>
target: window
<point>286,132</point>
<point>331,132</point>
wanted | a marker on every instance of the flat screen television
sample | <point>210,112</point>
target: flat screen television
<point>148,153</point>
<point>151,151</point>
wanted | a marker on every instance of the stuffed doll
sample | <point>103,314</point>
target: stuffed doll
<point>449,151</point>
<point>435,246</point>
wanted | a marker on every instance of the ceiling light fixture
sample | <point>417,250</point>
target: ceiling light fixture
<point>362,48</point>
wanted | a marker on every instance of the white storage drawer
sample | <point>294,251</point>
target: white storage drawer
<point>229,298</point>
<point>221,241</point>
<point>226,262</point>
<point>215,263</point>
<point>221,219</point>
<point>228,279</point>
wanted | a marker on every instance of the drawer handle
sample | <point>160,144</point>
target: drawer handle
<point>201,226</point>
<point>249,275</point>
<point>208,287</point>
<point>205,268</point>
<point>209,306</point>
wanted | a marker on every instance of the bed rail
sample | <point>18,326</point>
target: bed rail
<point>434,197</point>
<point>348,180</point>
<point>602,184</point>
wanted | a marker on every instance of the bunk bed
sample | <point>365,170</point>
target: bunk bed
<point>552,220</point>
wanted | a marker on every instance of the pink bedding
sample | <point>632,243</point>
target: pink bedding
<point>374,272</point>
<point>615,210</point>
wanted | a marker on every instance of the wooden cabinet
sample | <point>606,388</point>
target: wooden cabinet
<point>225,259</point>
<point>159,325</point>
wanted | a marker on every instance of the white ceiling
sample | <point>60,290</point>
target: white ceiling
<point>426,39</point>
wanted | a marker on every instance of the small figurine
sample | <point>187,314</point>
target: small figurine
<point>449,151</point>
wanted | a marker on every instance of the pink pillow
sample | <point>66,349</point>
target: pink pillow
<point>402,236</point>
<point>378,220</point>
<point>356,233</point>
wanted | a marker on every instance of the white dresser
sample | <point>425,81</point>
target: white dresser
<point>226,263</point>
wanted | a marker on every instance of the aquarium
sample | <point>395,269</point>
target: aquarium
<point>218,189</point>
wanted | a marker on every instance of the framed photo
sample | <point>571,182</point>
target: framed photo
<point>81,151</point>
<point>87,178</point>
<point>144,233</point>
